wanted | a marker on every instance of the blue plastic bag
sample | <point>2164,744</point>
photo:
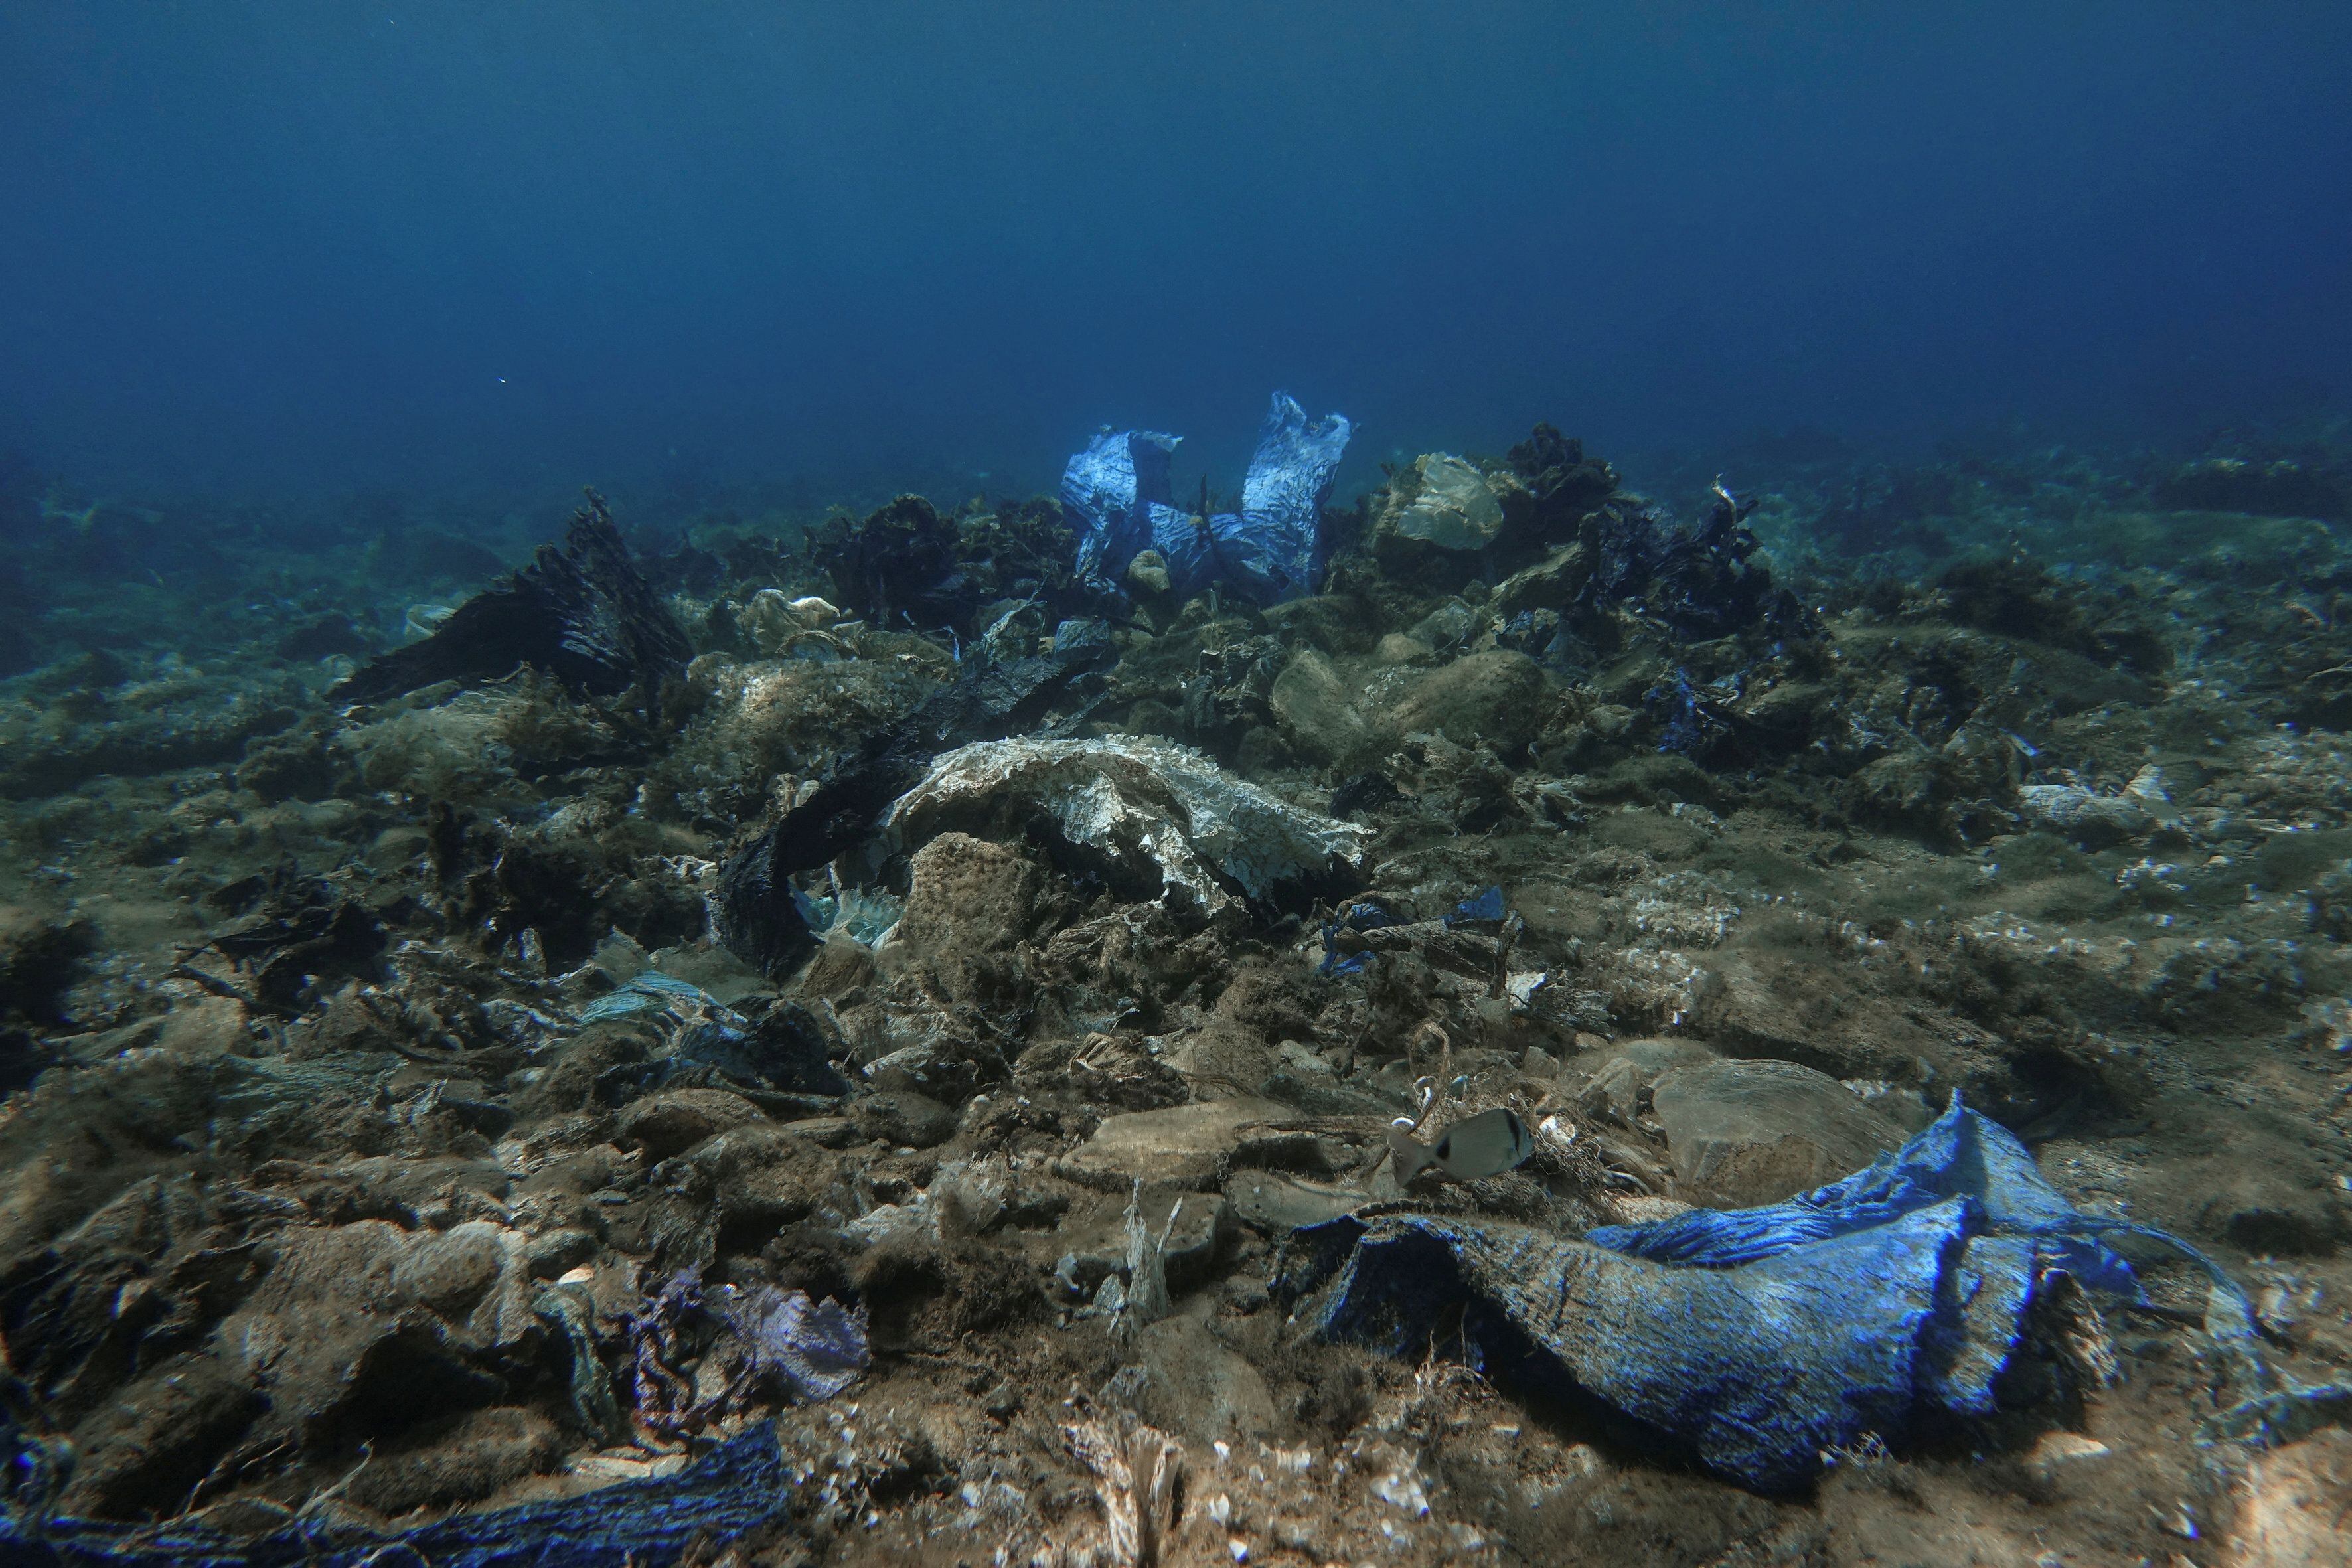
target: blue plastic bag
<point>1761,1341</point>
<point>738,1487</point>
<point>1119,491</point>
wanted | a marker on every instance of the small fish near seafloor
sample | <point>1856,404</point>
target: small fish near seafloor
<point>1474,1148</point>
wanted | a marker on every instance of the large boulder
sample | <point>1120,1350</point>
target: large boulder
<point>1182,1146</point>
<point>1311,701</point>
<point>674,1121</point>
<point>1749,1132</point>
<point>970,903</point>
<point>1497,696</point>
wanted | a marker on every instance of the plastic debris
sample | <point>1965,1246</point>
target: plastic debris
<point>753,911</point>
<point>1138,1471</point>
<point>1454,508</point>
<point>810,1350</point>
<point>1759,1340</point>
<point>813,1349</point>
<point>1350,918</point>
<point>864,915</point>
<point>738,1487</point>
<point>1485,909</point>
<point>584,615</point>
<point>650,992</point>
<point>1118,491</point>
<point>1112,487</point>
<point>1161,817</point>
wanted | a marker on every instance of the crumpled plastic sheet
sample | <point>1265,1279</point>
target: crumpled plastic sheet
<point>1352,917</point>
<point>813,1349</point>
<point>1758,1341</point>
<point>1483,909</point>
<point>650,992</point>
<point>1118,491</point>
<point>1149,811</point>
<point>738,1487</point>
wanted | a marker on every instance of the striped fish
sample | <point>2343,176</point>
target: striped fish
<point>1474,1148</point>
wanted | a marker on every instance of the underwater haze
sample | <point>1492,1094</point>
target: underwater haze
<point>256,243</point>
<point>1096,786</point>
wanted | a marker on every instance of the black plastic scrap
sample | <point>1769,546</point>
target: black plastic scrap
<point>753,913</point>
<point>738,1487</point>
<point>584,615</point>
<point>1762,1342</point>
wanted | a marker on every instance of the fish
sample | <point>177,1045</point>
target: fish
<point>1474,1148</point>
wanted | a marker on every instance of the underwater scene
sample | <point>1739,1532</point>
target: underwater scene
<point>1054,786</point>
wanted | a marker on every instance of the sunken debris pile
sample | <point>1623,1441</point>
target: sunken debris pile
<point>902,1036</point>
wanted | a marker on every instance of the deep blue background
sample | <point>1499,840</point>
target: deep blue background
<point>281,241</point>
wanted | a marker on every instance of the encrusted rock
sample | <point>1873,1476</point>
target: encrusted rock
<point>676,1121</point>
<point>1750,1132</point>
<point>905,1118</point>
<point>1497,696</point>
<point>1182,1146</point>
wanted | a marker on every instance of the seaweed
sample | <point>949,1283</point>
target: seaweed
<point>584,615</point>
<point>907,566</point>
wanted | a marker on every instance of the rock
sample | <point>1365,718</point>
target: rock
<point>677,1120</point>
<point>2291,1510</point>
<point>39,960</point>
<point>970,896</point>
<point>1620,1076</point>
<point>551,1255</point>
<point>1198,1387</point>
<point>1497,696</point>
<point>1182,1146</point>
<point>1148,572</point>
<point>1097,1247</point>
<point>462,1460</point>
<point>764,1175</point>
<point>1280,1204</point>
<point>1398,648</point>
<point>160,1438</point>
<point>1549,585</point>
<point>1749,1132</point>
<point>903,1117</point>
<point>1311,701</point>
<point>2268,1209</point>
<point>2091,820</point>
<point>2060,1452</point>
<point>971,904</point>
<point>826,1131</point>
<point>365,1326</point>
<point>451,1272</point>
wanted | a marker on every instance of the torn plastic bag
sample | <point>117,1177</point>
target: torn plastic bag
<point>1118,491</point>
<point>736,1488</point>
<point>1112,487</point>
<point>753,911</point>
<point>1757,1340</point>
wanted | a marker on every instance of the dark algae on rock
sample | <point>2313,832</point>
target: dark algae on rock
<point>1510,1019</point>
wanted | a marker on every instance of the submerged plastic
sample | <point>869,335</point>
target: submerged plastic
<point>737,1487</point>
<point>1759,1340</point>
<point>1118,491</point>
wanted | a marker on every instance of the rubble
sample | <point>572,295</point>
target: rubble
<point>954,1040</point>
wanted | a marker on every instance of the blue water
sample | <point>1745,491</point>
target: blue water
<point>267,243</point>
